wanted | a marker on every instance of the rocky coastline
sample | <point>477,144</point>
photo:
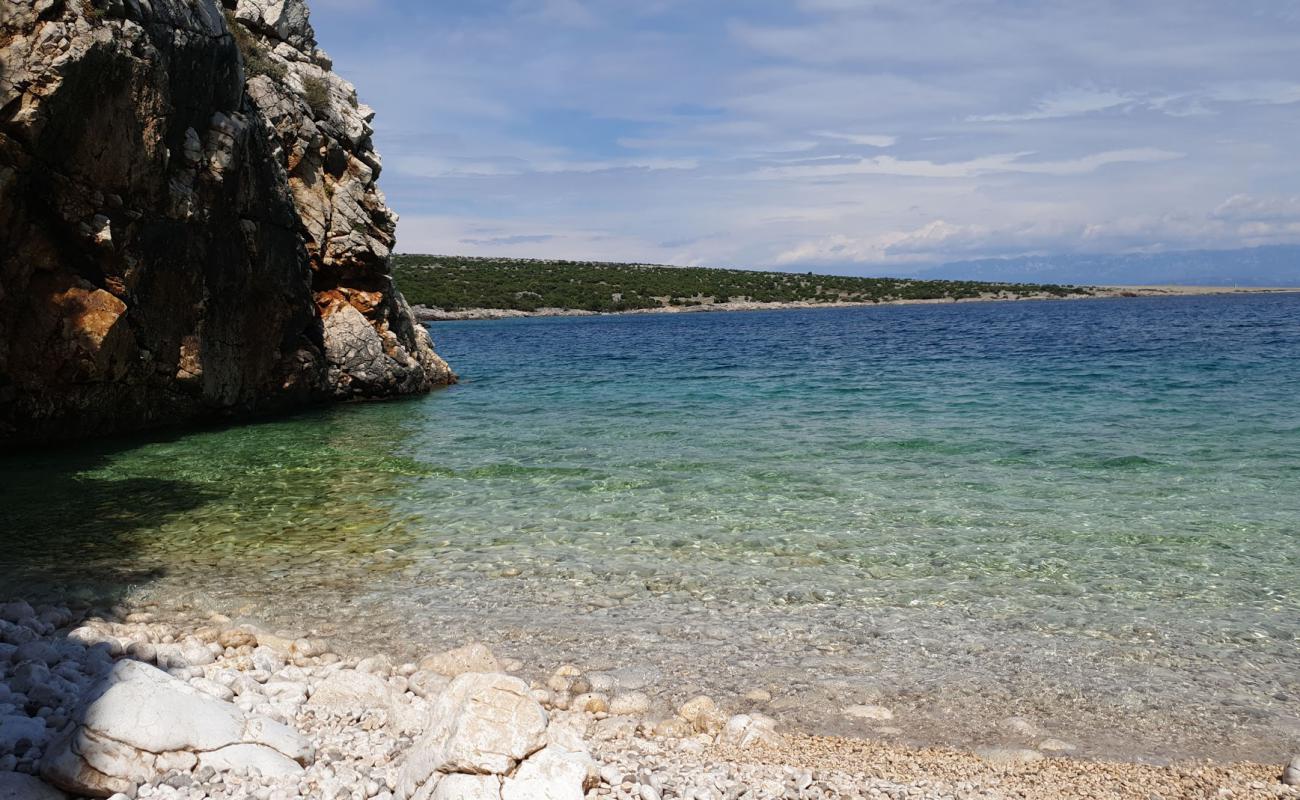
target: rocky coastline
<point>427,314</point>
<point>193,229</point>
<point>177,703</point>
<point>191,221</point>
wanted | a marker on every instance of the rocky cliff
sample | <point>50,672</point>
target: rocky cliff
<point>190,225</point>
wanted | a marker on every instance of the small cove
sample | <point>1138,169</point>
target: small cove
<point>1083,513</point>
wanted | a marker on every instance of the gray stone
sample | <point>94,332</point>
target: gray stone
<point>472,657</point>
<point>17,786</point>
<point>16,728</point>
<point>349,690</point>
<point>429,685</point>
<point>17,611</point>
<point>746,730</point>
<point>703,714</point>
<point>632,703</point>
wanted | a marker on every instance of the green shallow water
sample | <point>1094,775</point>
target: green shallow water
<point>1083,512</point>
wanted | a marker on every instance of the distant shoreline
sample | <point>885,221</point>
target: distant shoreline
<point>427,314</point>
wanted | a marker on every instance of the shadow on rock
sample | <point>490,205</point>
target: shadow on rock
<point>69,543</point>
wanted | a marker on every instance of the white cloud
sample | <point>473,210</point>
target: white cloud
<point>866,139</point>
<point>919,245</point>
<point>985,165</point>
<point>1069,103</point>
<point>1257,233</point>
<point>940,235</point>
<point>940,239</point>
<point>1250,208</point>
<point>1255,92</point>
<point>434,167</point>
<point>454,234</point>
<point>1081,101</point>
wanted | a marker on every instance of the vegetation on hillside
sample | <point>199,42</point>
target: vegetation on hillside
<point>257,60</point>
<point>459,282</point>
<point>317,94</point>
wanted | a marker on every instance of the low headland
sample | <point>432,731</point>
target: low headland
<point>448,288</point>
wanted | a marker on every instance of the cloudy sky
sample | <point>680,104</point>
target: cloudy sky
<point>837,134</point>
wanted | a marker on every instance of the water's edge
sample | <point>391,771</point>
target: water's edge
<point>433,314</point>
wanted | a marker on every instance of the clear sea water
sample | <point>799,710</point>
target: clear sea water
<point>1082,513</point>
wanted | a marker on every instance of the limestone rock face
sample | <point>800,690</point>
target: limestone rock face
<point>190,225</point>
<point>140,721</point>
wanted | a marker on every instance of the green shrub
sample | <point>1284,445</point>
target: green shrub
<point>257,59</point>
<point>317,94</point>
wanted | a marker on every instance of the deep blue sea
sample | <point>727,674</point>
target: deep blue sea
<point>1086,513</point>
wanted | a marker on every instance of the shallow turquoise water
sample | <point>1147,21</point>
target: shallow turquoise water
<point>1087,506</point>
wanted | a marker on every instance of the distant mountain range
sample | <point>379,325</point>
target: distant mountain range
<point>1276,265</point>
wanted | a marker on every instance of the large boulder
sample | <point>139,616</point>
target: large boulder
<point>139,722</point>
<point>188,197</point>
<point>481,724</point>
<point>489,739</point>
<point>563,770</point>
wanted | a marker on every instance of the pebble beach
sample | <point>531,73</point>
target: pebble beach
<point>268,715</point>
